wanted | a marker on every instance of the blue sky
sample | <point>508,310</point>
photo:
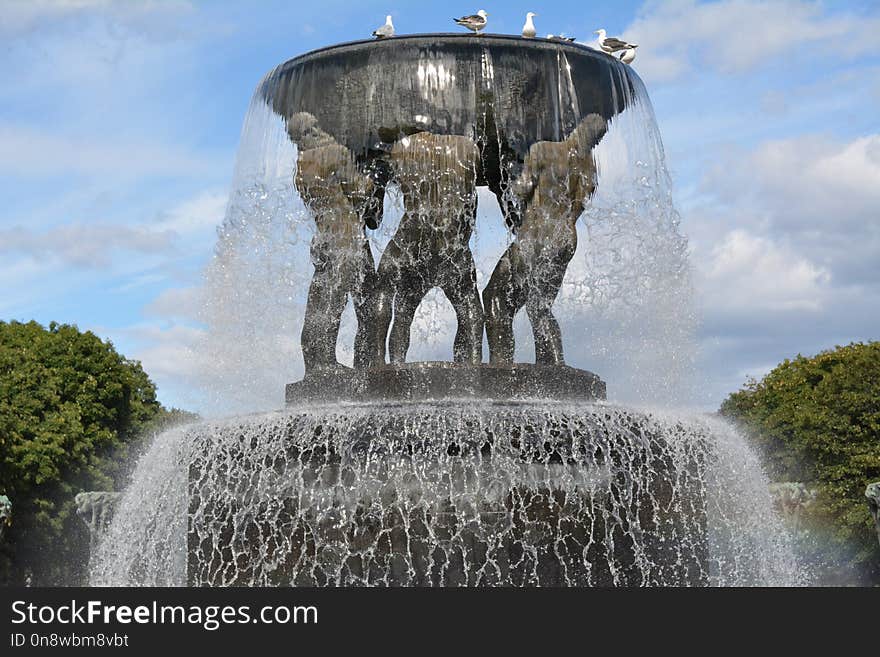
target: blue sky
<point>119,123</point>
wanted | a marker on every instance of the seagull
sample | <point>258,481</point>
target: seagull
<point>612,44</point>
<point>560,37</point>
<point>475,23</point>
<point>628,55</point>
<point>529,28</point>
<point>386,30</point>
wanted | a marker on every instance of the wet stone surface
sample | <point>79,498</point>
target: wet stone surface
<point>448,494</point>
<point>440,380</point>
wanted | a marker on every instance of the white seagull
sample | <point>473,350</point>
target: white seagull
<point>612,44</point>
<point>529,31</point>
<point>386,30</point>
<point>474,23</point>
<point>628,55</point>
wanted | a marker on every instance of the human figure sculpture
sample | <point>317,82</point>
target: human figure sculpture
<point>437,177</point>
<point>556,180</point>
<point>5,514</point>
<point>792,499</point>
<point>96,508</point>
<point>339,197</point>
<point>304,131</point>
<point>872,492</point>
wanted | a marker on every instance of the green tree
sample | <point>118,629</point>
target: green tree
<point>71,411</point>
<point>817,420</point>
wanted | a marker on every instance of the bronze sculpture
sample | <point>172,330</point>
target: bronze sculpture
<point>437,177</point>
<point>5,514</point>
<point>338,196</point>
<point>556,181</point>
<point>872,492</point>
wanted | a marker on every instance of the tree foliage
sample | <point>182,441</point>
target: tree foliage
<point>71,411</point>
<point>817,420</point>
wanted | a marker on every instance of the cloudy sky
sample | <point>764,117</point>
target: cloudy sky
<point>119,122</point>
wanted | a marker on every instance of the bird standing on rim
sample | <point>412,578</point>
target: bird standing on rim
<point>528,30</point>
<point>386,30</point>
<point>612,44</point>
<point>628,55</point>
<point>474,23</point>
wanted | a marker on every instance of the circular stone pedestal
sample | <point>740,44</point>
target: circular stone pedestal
<point>442,380</point>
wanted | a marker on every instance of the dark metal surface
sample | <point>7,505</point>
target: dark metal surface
<point>494,88</point>
<point>439,380</point>
<point>557,179</point>
<point>448,494</point>
<point>436,174</point>
<point>440,115</point>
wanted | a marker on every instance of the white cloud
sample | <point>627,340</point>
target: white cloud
<point>176,302</point>
<point>89,86</point>
<point>747,273</point>
<point>98,244</point>
<point>735,36</point>
<point>22,17</point>
<point>169,348</point>
<point>197,214</point>
<point>830,181</point>
<point>16,276</point>
<point>84,245</point>
<point>170,354</point>
<point>786,244</point>
<point>821,194</point>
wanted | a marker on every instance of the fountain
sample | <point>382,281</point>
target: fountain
<point>363,176</point>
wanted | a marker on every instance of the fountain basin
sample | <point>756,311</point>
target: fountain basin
<point>448,494</point>
<point>505,92</point>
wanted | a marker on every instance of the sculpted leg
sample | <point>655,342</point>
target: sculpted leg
<point>382,314</point>
<point>548,335</point>
<point>502,297</point>
<point>409,295</point>
<point>326,302</point>
<point>544,284</point>
<point>468,345</point>
<point>364,298</point>
<point>387,283</point>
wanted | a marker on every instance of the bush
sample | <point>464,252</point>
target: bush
<point>71,411</point>
<point>817,420</point>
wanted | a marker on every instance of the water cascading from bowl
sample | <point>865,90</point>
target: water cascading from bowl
<point>470,474</point>
<point>483,494</point>
<point>625,305</point>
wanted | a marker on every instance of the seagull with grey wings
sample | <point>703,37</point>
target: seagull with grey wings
<point>475,22</point>
<point>612,45</point>
<point>386,31</point>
